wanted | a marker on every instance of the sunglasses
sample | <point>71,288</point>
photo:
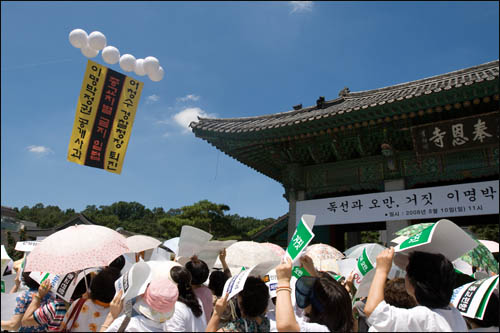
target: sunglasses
<point>304,293</point>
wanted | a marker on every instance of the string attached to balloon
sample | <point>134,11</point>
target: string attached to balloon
<point>90,45</point>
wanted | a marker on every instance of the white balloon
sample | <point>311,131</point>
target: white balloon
<point>78,38</point>
<point>127,62</point>
<point>110,55</point>
<point>139,67</point>
<point>88,51</point>
<point>158,75</point>
<point>151,65</point>
<point>97,40</point>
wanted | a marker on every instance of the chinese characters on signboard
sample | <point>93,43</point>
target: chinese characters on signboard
<point>425,203</point>
<point>104,116</point>
<point>456,134</point>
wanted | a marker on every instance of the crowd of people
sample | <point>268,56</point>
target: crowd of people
<point>189,298</point>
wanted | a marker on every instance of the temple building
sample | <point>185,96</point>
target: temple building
<point>433,132</point>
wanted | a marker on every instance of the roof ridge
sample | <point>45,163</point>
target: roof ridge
<point>357,94</point>
<point>428,79</point>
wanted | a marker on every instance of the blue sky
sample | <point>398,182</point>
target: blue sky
<point>221,59</point>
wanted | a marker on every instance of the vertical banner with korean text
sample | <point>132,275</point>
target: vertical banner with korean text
<point>104,117</point>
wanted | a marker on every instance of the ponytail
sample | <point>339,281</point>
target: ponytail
<point>182,277</point>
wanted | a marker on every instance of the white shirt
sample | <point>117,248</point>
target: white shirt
<point>184,320</point>
<point>388,318</point>
<point>306,326</point>
<point>136,324</point>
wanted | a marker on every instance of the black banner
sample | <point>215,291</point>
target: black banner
<point>456,134</point>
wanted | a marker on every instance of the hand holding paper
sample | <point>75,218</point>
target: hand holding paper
<point>116,305</point>
<point>221,304</point>
<point>384,260</point>
<point>308,264</point>
<point>44,288</point>
<point>284,271</point>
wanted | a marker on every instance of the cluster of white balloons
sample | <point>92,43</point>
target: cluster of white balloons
<point>90,46</point>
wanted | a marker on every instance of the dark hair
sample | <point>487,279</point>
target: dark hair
<point>216,282</point>
<point>29,282</point>
<point>254,297</point>
<point>81,287</point>
<point>433,278</point>
<point>395,294</point>
<point>490,313</point>
<point>182,277</point>
<point>199,271</point>
<point>118,263</point>
<point>102,287</point>
<point>336,301</point>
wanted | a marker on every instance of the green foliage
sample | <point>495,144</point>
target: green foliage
<point>485,231</point>
<point>45,217</point>
<point>158,223</point>
<point>370,237</point>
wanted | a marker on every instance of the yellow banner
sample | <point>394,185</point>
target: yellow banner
<point>104,117</point>
<point>122,125</point>
<point>86,110</point>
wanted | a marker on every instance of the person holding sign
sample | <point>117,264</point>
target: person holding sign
<point>95,308</point>
<point>149,312</point>
<point>188,315</point>
<point>51,314</point>
<point>326,303</point>
<point>429,279</point>
<point>23,302</point>
<point>252,301</point>
<point>199,272</point>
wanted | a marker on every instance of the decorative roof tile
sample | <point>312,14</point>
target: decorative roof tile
<point>354,101</point>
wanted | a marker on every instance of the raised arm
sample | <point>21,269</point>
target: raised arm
<point>222,257</point>
<point>285,316</point>
<point>376,293</point>
<point>115,308</point>
<point>28,318</point>
<point>219,308</point>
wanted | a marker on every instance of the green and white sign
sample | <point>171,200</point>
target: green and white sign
<point>472,298</point>
<point>301,237</point>
<point>362,268</point>
<point>298,272</point>
<point>443,237</point>
<point>418,239</point>
<point>3,286</point>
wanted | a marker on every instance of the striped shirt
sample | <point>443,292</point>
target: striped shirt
<point>51,314</point>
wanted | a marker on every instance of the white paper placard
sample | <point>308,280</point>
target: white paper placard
<point>26,246</point>
<point>135,281</point>
<point>472,298</point>
<point>9,282</point>
<point>271,280</point>
<point>62,285</point>
<point>443,237</point>
<point>425,203</point>
<point>210,252</point>
<point>236,283</point>
<point>302,236</point>
<point>172,244</point>
<point>192,240</point>
<point>4,259</point>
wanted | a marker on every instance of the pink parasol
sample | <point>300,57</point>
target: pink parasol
<point>139,243</point>
<point>276,248</point>
<point>324,256</point>
<point>76,248</point>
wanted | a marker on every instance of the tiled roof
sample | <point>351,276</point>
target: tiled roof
<point>351,102</point>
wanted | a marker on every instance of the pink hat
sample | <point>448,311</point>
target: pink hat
<point>161,295</point>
